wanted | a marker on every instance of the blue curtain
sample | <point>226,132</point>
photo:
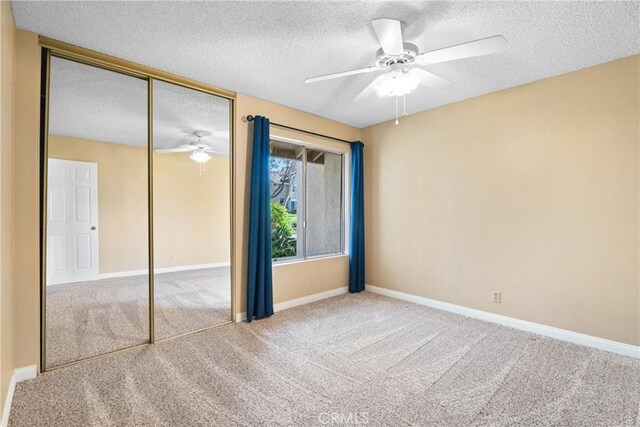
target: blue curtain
<point>259,282</point>
<point>356,242</point>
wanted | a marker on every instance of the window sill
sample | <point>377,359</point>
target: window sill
<point>310,259</point>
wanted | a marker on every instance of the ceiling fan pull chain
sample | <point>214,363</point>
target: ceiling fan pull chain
<point>396,110</point>
<point>404,106</point>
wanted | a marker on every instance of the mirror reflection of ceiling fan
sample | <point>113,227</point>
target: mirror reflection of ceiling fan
<point>402,62</point>
<point>200,151</point>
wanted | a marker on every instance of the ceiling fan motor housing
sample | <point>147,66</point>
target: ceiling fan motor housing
<point>402,60</point>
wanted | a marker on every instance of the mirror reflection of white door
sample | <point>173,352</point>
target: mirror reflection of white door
<point>72,221</point>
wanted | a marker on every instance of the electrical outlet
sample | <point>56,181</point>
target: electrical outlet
<point>496,297</point>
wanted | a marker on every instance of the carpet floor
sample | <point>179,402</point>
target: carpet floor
<point>350,359</point>
<point>86,319</point>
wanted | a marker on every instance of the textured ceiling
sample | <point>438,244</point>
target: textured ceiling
<point>267,49</point>
<point>92,103</point>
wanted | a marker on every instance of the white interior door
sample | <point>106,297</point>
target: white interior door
<point>72,221</point>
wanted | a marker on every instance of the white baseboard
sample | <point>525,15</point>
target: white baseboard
<point>241,317</point>
<point>20,374</point>
<point>524,325</point>
<point>162,270</point>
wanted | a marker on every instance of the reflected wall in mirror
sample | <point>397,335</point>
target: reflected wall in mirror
<point>191,209</point>
<point>97,213</point>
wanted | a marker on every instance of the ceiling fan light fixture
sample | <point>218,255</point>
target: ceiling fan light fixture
<point>403,60</point>
<point>200,156</point>
<point>397,84</point>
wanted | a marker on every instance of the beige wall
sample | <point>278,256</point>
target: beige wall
<point>191,214</point>
<point>7,31</point>
<point>289,280</point>
<point>532,191</point>
<point>26,190</point>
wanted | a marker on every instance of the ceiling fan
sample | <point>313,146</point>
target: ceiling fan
<point>200,151</point>
<point>402,61</point>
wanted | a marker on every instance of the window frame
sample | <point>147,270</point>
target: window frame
<point>302,201</point>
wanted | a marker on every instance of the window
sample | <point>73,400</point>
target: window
<point>307,213</point>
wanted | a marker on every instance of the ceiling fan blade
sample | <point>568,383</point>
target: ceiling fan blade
<point>389,32</point>
<point>341,74</point>
<point>181,149</point>
<point>212,151</point>
<point>431,80</point>
<point>480,47</point>
<point>370,89</point>
<point>169,150</point>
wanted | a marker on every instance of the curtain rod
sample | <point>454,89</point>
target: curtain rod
<point>250,119</point>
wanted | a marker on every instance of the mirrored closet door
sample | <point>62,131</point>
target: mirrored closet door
<point>97,279</point>
<point>112,139</point>
<point>191,206</point>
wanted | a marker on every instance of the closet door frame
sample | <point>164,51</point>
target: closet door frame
<point>62,50</point>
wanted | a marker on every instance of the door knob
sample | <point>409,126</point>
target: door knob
<point>93,227</point>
